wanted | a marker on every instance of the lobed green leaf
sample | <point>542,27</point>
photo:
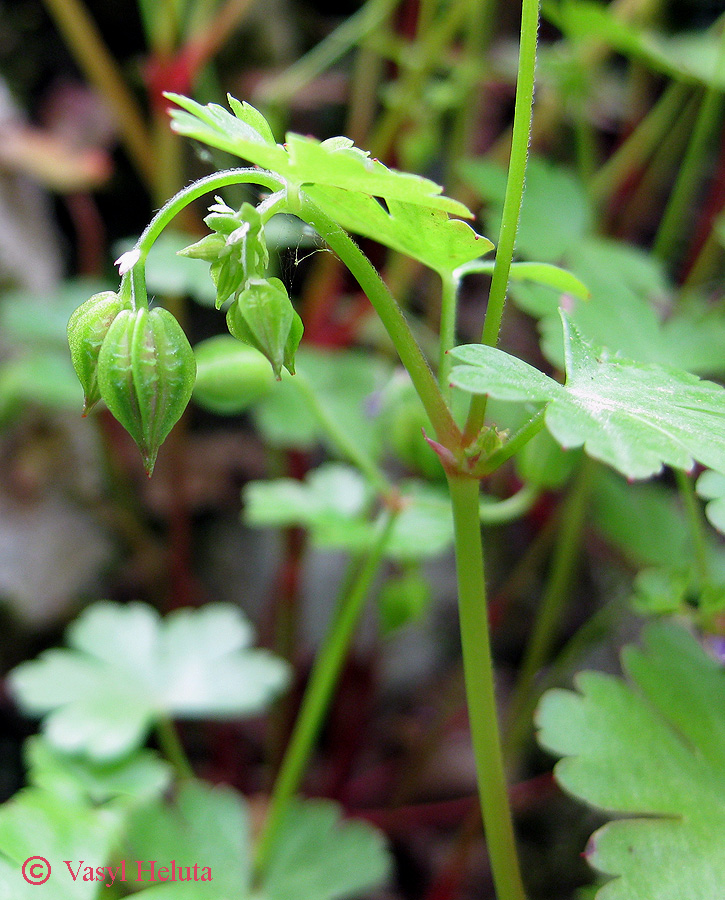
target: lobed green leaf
<point>652,749</point>
<point>632,416</point>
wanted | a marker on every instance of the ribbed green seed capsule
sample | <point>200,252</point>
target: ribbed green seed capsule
<point>87,328</point>
<point>264,317</point>
<point>146,371</point>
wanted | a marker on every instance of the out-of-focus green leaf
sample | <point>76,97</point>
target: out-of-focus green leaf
<point>315,856</point>
<point>542,462</point>
<point>126,668</point>
<point>624,513</point>
<point>36,823</point>
<point>334,504</point>
<point>137,778</point>
<point>345,384</point>
<point>403,599</point>
<point>689,56</point>
<point>207,827</point>
<point>711,487</point>
<point>330,495</point>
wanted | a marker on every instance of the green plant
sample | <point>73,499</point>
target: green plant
<point>633,416</point>
<point>621,404</point>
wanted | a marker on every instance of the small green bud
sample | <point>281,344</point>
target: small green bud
<point>263,316</point>
<point>146,371</point>
<point>237,250</point>
<point>87,328</point>
<point>230,376</point>
<point>208,248</point>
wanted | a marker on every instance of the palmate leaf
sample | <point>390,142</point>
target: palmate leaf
<point>126,669</point>
<point>335,162</point>
<point>315,856</point>
<point>632,416</point>
<point>653,749</point>
<point>334,504</point>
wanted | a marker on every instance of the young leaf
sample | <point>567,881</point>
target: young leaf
<point>207,826</point>
<point>711,487</point>
<point>333,503</point>
<point>652,749</point>
<point>631,416</point>
<point>315,856</point>
<point>36,823</point>
<point>318,857</point>
<point>137,778</point>
<point>126,668</point>
<point>303,160</point>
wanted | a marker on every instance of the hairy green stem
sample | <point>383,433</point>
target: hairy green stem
<point>392,318</point>
<point>480,693</point>
<point>354,452</point>
<point>187,195</point>
<point>318,693</point>
<point>553,603</point>
<point>523,115</point>
<point>706,124</point>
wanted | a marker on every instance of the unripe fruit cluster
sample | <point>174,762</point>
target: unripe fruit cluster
<point>261,313</point>
<point>138,361</point>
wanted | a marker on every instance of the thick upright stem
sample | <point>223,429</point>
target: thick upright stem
<point>392,318</point>
<point>478,669</point>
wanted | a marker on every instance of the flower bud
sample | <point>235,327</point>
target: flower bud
<point>263,316</point>
<point>236,250</point>
<point>87,328</point>
<point>146,372</point>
